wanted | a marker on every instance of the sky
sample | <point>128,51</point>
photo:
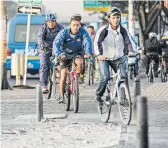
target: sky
<point>65,8</point>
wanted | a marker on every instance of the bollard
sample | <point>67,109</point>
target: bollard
<point>137,92</point>
<point>142,123</point>
<point>39,103</point>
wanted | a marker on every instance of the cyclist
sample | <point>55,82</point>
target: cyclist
<point>72,42</point>
<point>45,38</point>
<point>112,41</point>
<point>152,45</point>
<point>92,33</point>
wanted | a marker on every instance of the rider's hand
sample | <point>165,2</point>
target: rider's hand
<point>87,56</point>
<point>62,57</point>
<point>101,58</point>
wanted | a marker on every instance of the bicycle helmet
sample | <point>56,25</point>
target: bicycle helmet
<point>113,11</point>
<point>50,17</point>
<point>76,15</point>
<point>152,34</point>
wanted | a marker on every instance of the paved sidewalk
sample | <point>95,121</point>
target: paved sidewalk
<point>19,128</point>
<point>157,95</point>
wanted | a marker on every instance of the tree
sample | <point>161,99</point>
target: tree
<point>4,83</point>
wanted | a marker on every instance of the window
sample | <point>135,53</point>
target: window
<point>21,30</point>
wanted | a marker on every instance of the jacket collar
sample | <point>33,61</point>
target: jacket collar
<point>108,27</point>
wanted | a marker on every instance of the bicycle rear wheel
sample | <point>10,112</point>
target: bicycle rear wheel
<point>104,109</point>
<point>75,95</point>
<point>125,108</point>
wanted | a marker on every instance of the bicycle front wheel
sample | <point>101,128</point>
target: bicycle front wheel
<point>124,105</point>
<point>75,95</point>
<point>89,72</point>
<point>104,109</point>
<point>67,97</point>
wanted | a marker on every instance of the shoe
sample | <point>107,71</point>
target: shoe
<point>45,89</point>
<point>97,98</point>
<point>156,75</point>
<point>81,81</point>
<point>60,99</point>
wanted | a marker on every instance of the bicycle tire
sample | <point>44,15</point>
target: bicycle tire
<point>67,97</point>
<point>125,103</point>
<point>89,72</point>
<point>104,110</point>
<point>151,74</point>
<point>75,95</point>
<point>54,88</point>
<point>131,73</point>
<point>50,83</point>
<point>162,74</point>
<point>92,74</point>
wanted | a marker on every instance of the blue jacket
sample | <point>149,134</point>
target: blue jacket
<point>80,44</point>
<point>46,36</point>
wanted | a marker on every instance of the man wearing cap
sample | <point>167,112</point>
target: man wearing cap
<point>114,42</point>
<point>45,38</point>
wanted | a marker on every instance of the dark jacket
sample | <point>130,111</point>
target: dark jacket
<point>152,45</point>
<point>46,36</point>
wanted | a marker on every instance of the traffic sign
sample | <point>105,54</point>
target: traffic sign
<point>30,9</point>
<point>35,2</point>
<point>95,5</point>
<point>166,3</point>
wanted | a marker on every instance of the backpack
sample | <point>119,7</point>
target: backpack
<point>45,27</point>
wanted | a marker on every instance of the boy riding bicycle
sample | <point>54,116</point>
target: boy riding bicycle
<point>73,42</point>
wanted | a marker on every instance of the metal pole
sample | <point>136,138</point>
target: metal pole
<point>137,93</point>
<point>159,27</point>
<point>142,123</point>
<point>39,111</point>
<point>27,47</point>
<point>42,114</point>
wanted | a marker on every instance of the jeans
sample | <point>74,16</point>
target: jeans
<point>44,67</point>
<point>104,73</point>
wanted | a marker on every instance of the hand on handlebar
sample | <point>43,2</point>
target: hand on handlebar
<point>87,56</point>
<point>101,58</point>
<point>62,57</point>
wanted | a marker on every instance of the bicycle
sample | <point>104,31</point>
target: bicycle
<point>132,65</point>
<point>164,68</point>
<point>120,96</point>
<point>52,79</point>
<point>151,73</point>
<point>90,70</point>
<point>72,88</point>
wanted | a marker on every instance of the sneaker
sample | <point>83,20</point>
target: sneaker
<point>60,99</point>
<point>45,89</point>
<point>97,98</point>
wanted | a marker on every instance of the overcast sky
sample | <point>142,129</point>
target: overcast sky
<point>65,8</point>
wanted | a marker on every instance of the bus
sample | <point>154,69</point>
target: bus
<point>16,40</point>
